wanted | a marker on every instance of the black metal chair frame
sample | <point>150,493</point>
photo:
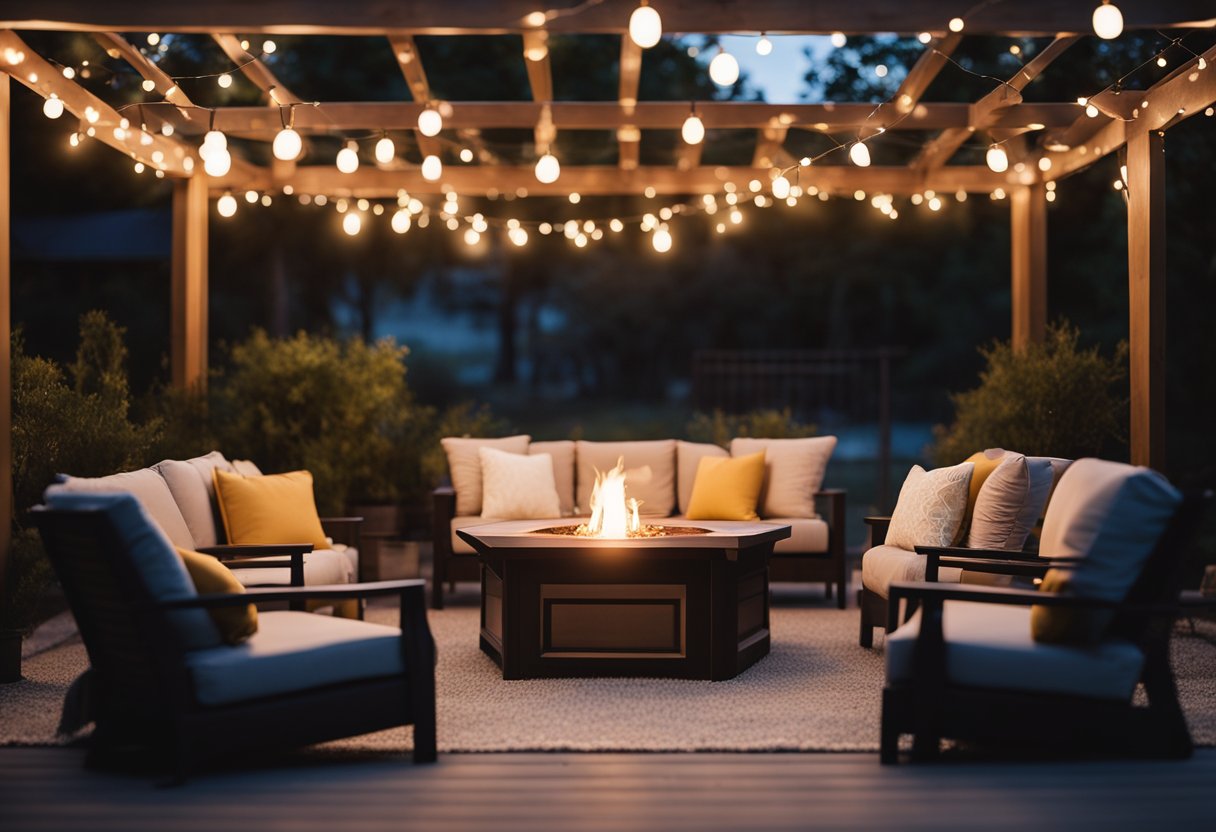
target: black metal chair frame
<point>930,707</point>
<point>141,688</point>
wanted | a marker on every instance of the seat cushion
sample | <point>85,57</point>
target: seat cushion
<point>794,471</point>
<point>688,457</point>
<point>990,646</point>
<point>562,453</point>
<point>464,466</point>
<point>321,566</point>
<point>655,488</point>
<point>152,492</point>
<point>884,565</point>
<point>295,651</point>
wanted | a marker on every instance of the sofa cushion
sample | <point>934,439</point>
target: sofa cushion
<point>152,492</point>
<point>518,486</point>
<point>245,467</point>
<point>727,488</point>
<point>195,498</point>
<point>321,567</point>
<point>884,565</point>
<point>464,466</point>
<point>930,507</point>
<point>278,508</point>
<point>688,457</point>
<point>295,651</point>
<point>563,470</point>
<point>1110,515</point>
<point>1009,503</point>
<point>990,646</point>
<point>794,470</point>
<point>459,547</point>
<point>655,488</point>
<point>984,462</point>
<point>157,563</point>
<point>210,577</point>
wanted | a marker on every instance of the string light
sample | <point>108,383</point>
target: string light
<point>432,168</point>
<point>548,169</point>
<point>69,72</point>
<point>881,70</point>
<point>472,237</point>
<point>645,26</point>
<point>268,47</point>
<point>385,150</point>
<point>287,145</point>
<point>216,159</point>
<point>400,221</point>
<point>859,154</point>
<point>352,223</point>
<point>466,155</point>
<point>924,37</point>
<point>781,187</point>
<point>575,198</point>
<point>839,40</point>
<point>430,122</point>
<point>956,24</point>
<point>348,159</point>
<point>251,197</point>
<point>225,80</point>
<point>724,69</point>
<point>52,107</point>
<point>518,236</point>
<point>661,239</point>
<point>764,46</point>
<point>91,115</point>
<point>997,159</point>
<point>153,39</point>
<point>1108,21</point>
<point>693,129</point>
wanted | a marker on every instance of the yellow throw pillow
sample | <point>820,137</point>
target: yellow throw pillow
<point>985,463</point>
<point>277,508</point>
<point>210,577</point>
<point>727,488</point>
<point>1062,625</point>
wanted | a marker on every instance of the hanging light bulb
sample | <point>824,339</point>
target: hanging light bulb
<point>764,46</point>
<point>781,187</point>
<point>348,159</point>
<point>518,236</point>
<point>226,205</point>
<point>217,162</point>
<point>225,81</point>
<point>859,155</point>
<point>352,223</point>
<point>213,141</point>
<point>839,40</point>
<point>432,168</point>
<point>1108,21</point>
<point>472,237</point>
<point>52,107</point>
<point>645,26</point>
<point>724,69</point>
<point>548,169</point>
<point>693,131</point>
<point>385,151</point>
<point>287,145</point>
<point>661,239</point>
<point>401,221</point>
<point>956,24</point>
<point>430,122</point>
<point>997,159</point>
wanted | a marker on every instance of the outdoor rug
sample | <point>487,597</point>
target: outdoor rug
<point>816,691</point>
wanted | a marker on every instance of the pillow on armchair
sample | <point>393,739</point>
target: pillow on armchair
<point>930,507</point>
<point>1010,502</point>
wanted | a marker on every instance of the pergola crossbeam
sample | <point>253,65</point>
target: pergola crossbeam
<point>405,50</point>
<point>628,136</point>
<point>117,46</point>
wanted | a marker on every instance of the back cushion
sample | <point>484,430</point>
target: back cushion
<point>155,560</point>
<point>650,472</point>
<point>1009,503</point>
<point>244,467</point>
<point>464,466</point>
<point>563,470</point>
<point>195,498</point>
<point>688,457</point>
<point>152,492</point>
<point>794,471</point>
<point>930,507</point>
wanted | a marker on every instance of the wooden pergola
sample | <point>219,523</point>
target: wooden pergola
<point>1045,142</point>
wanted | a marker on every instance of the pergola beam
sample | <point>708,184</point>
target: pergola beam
<point>919,77</point>
<point>117,46</point>
<point>628,136</point>
<point>319,17</point>
<point>188,294</point>
<point>405,50</point>
<point>252,68</point>
<point>1028,264</point>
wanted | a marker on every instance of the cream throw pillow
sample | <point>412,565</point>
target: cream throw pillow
<point>464,466</point>
<point>930,507</point>
<point>518,486</point>
<point>793,472</point>
<point>1010,502</point>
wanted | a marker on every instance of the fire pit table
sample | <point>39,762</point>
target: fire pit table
<point>688,601</point>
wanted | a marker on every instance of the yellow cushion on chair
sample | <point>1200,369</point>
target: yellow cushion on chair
<point>727,488</point>
<point>210,577</point>
<point>277,508</point>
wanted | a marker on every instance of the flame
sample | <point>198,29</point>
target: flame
<point>612,515</point>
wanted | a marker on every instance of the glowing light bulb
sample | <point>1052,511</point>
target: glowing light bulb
<point>881,70</point>
<point>518,236</point>
<point>997,159</point>
<point>924,37</point>
<point>91,115</point>
<point>401,221</point>
<point>859,155</point>
<point>268,46</point>
<point>148,85</point>
<point>472,237</point>
<point>348,159</point>
<point>1108,21</point>
<point>432,168</point>
<point>385,151</point>
<point>781,187</point>
<point>548,169</point>
<point>466,155</point>
<point>430,122</point>
<point>839,40</point>
<point>1091,111</point>
<point>287,145</point>
<point>52,107</point>
<point>724,69</point>
<point>352,223</point>
<point>226,205</point>
<point>218,162</point>
<point>935,204</point>
<point>213,140</point>
<point>645,26</point>
<point>764,46</point>
<point>153,39</point>
<point>956,24</point>
<point>693,131</point>
<point>661,240</point>
<point>616,225</point>
<point>69,73</point>
<point>1044,164</point>
<point>225,80</point>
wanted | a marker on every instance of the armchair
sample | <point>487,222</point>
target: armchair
<point>966,666</point>
<point>161,681</point>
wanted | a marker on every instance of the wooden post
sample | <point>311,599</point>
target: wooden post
<point>1028,261</point>
<point>188,354</point>
<point>1146,294</point>
<point>6,358</point>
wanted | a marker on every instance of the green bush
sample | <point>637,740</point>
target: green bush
<point>1049,399</point>
<point>719,428</point>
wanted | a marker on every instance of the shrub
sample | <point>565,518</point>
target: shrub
<point>719,428</point>
<point>1049,399</point>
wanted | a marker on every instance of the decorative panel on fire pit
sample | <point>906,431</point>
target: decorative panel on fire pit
<point>613,620</point>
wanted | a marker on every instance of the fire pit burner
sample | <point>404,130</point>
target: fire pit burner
<point>644,531</point>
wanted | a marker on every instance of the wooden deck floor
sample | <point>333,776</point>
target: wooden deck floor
<point>46,789</point>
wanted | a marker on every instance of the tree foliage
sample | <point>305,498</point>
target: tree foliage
<point>719,427</point>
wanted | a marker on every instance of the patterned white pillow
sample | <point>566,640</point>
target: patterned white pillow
<point>518,486</point>
<point>930,507</point>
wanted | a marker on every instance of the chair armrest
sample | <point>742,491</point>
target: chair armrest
<point>303,593</point>
<point>343,530</point>
<point>443,509</point>
<point>234,551</point>
<point>981,554</point>
<point>878,529</point>
<point>936,594</point>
